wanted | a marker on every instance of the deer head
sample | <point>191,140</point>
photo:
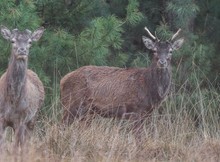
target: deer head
<point>21,41</point>
<point>162,49</point>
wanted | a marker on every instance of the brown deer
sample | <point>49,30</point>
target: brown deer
<point>21,91</point>
<point>118,92</point>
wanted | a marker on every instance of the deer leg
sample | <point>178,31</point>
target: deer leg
<point>73,113</point>
<point>22,134</point>
<point>67,118</point>
<point>136,124</point>
<point>1,134</point>
<point>16,148</point>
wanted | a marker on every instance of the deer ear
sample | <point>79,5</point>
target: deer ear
<point>6,33</point>
<point>177,44</point>
<point>36,35</point>
<point>148,42</point>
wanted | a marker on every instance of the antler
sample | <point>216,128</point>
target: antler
<point>148,31</point>
<point>175,35</point>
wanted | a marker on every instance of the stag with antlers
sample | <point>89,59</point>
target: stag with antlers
<point>119,92</point>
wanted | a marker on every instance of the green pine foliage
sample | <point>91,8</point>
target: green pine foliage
<point>133,16</point>
<point>183,11</point>
<point>93,44</point>
<point>73,16</point>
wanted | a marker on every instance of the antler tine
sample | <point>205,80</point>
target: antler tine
<point>175,35</point>
<point>148,31</point>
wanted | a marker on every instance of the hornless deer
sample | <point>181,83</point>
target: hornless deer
<point>21,91</point>
<point>118,92</point>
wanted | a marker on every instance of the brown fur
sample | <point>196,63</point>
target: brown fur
<point>113,92</point>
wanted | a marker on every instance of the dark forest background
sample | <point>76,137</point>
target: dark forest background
<point>108,32</point>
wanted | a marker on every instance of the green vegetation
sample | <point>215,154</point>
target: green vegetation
<point>108,32</point>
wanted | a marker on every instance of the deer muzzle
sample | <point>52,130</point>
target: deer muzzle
<point>162,63</point>
<point>22,53</point>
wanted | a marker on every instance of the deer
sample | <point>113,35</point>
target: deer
<point>129,93</point>
<point>21,91</point>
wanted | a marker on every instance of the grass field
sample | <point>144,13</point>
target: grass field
<point>186,128</point>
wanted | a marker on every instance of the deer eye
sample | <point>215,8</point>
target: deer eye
<point>29,41</point>
<point>170,52</point>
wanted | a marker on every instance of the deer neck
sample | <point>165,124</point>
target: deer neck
<point>16,78</point>
<point>160,81</point>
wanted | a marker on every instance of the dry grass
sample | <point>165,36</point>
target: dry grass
<point>172,135</point>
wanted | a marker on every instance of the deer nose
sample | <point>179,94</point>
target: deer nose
<point>22,51</point>
<point>162,63</point>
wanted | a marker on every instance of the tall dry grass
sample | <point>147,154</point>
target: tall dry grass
<point>186,128</point>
